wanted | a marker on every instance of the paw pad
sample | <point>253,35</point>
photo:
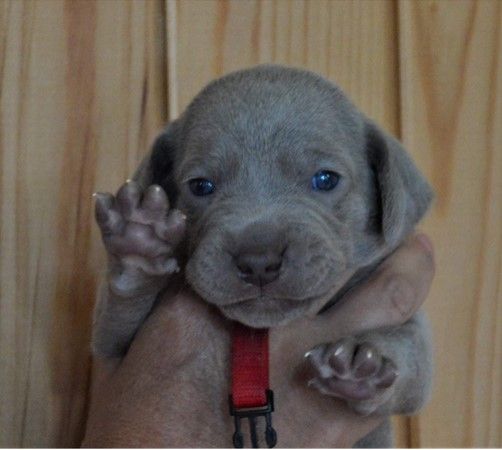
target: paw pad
<point>351,370</point>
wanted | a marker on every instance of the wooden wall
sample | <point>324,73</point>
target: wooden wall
<point>85,86</point>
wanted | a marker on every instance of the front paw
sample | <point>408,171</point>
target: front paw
<point>139,232</point>
<point>353,371</point>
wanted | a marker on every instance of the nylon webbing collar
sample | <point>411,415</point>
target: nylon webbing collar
<point>251,396</point>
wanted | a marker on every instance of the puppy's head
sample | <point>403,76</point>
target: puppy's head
<point>288,191</point>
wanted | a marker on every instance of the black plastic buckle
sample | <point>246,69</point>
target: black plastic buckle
<point>251,414</point>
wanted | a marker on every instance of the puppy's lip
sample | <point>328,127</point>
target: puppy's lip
<point>260,303</point>
<point>264,312</point>
<point>268,295</point>
<point>265,302</point>
<point>271,298</point>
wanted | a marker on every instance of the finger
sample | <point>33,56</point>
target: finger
<point>393,293</point>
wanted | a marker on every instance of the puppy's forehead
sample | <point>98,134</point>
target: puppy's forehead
<point>269,104</point>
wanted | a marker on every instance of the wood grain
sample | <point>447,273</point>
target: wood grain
<point>84,87</point>
<point>451,73</point>
<point>82,93</point>
<point>353,43</point>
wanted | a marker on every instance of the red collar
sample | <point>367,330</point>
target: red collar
<point>249,367</point>
<point>251,396</point>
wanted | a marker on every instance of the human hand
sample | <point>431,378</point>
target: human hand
<point>171,388</point>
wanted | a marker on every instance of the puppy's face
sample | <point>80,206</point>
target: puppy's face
<point>275,171</point>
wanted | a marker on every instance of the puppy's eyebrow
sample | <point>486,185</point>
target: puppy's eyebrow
<point>326,157</point>
<point>321,153</point>
<point>210,165</point>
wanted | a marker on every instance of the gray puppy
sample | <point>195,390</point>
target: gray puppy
<point>290,196</point>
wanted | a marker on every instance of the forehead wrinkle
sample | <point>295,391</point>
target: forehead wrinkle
<point>211,164</point>
<point>302,107</point>
<point>312,158</point>
<point>212,133</point>
<point>224,117</point>
<point>266,115</point>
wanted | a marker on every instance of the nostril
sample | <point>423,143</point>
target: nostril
<point>273,267</point>
<point>244,269</point>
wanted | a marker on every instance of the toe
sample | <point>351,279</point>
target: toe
<point>173,228</point>
<point>350,389</point>
<point>107,217</point>
<point>317,359</point>
<point>103,207</point>
<point>155,202</point>
<point>341,355</point>
<point>158,266</point>
<point>387,374</point>
<point>367,361</point>
<point>128,198</point>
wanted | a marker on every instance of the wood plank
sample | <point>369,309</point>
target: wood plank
<point>353,43</point>
<point>82,93</point>
<point>451,72</point>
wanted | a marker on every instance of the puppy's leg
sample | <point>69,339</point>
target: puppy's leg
<point>380,437</point>
<point>140,235</point>
<point>383,372</point>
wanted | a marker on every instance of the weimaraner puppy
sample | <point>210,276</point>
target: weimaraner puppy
<point>271,196</point>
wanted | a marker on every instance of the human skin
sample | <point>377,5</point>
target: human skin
<point>171,388</point>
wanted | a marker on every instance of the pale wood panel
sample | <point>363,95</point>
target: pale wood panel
<point>451,70</point>
<point>82,93</point>
<point>353,43</point>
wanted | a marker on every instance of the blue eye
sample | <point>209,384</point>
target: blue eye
<point>325,180</point>
<point>201,187</point>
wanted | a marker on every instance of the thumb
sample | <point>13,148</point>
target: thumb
<point>180,325</point>
<point>393,293</point>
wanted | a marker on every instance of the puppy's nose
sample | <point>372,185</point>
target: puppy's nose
<point>259,268</point>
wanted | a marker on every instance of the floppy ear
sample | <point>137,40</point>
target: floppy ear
<point>157,166</point>
<point>403,194</point>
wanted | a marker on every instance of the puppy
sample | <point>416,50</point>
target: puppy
<point>286,196</point>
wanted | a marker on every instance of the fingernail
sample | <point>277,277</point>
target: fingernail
<point>426,242</point>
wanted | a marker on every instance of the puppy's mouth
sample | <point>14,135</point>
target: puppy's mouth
<point>265,311</point>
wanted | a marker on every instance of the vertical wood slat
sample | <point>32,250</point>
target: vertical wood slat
<point>451,72</point>
<point>354,43</point>
<point>82,93</point>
